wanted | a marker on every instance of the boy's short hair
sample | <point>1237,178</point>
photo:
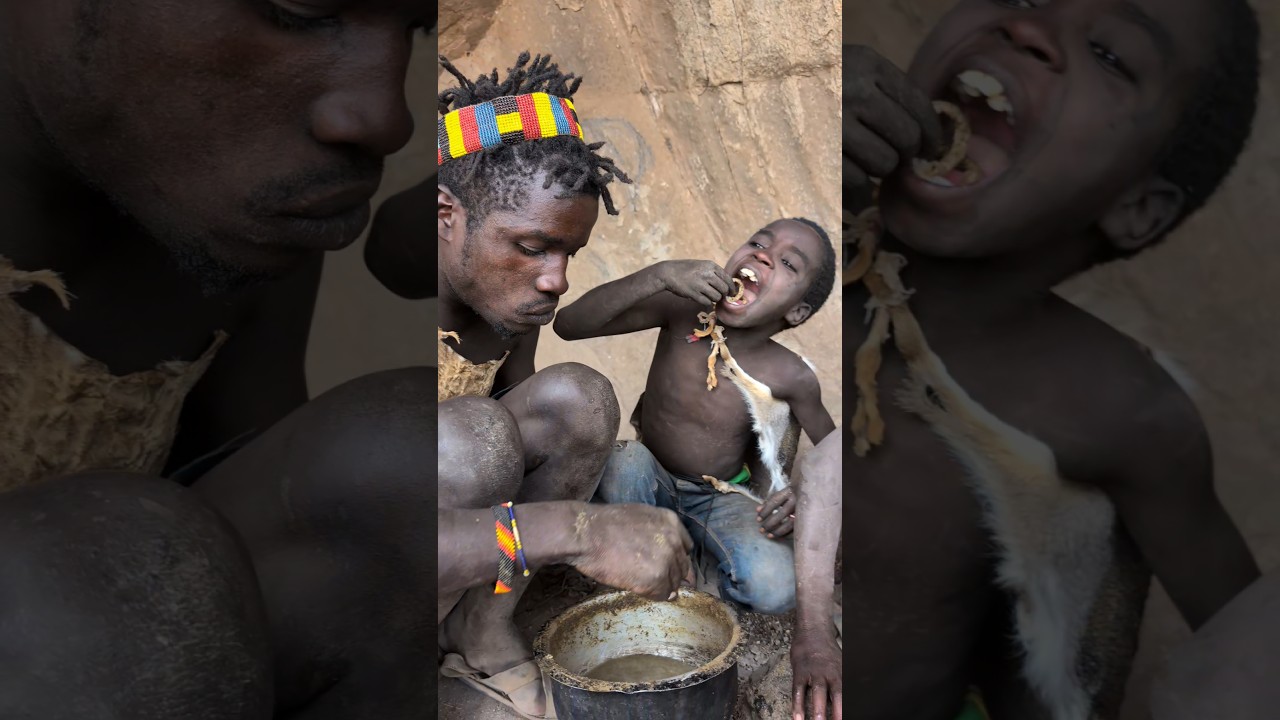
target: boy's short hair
<point>825,279</point>
<point>1216,125</point>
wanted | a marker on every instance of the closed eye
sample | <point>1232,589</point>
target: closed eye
<point>1110,61</point>
<point>530,251</point>
<point>287,19</point>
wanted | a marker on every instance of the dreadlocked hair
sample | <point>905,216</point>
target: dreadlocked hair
<point>823,282</point>
<point>1216,124</point>
<point>497,178</point>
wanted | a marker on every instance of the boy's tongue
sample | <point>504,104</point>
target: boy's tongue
<point>990,159</point>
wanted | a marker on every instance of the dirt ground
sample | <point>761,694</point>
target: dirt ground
<point>764,669</point>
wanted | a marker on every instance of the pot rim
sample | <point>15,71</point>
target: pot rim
<point>715,667</point>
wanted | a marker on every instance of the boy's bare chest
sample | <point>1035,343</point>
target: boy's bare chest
<point>1047,397</point>
<point>681,370</point>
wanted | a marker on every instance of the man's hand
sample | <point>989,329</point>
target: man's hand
<point>815,667</point>
<point>701,281</point>
<point>639,548</point>
<point>888,121</point>
<point>777,517</point>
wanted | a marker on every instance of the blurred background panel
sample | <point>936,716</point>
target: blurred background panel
<point>1206,299</point>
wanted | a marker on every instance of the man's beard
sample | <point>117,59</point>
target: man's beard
<point>498,327</point>
<point>214,276</point>
<point>503,331</point>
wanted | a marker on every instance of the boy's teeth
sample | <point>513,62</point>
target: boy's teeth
<point>975,84</point>
<point>984,84</point>
<point>748,273</point>
<point>940,182</point>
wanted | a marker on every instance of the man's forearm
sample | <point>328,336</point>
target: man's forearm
<point>468,550</point>
<point>818,515</point>
<point>592,313</point>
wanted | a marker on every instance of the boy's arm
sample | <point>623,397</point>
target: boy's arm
<point>641,300</point>
<point>804,393</point>
<point>396,252</point>
<point>1165,496</point>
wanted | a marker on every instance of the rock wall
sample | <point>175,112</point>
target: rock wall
<point>725,114</point>
<point>1206,298</point>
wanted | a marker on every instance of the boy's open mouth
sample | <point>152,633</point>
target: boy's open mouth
<point>750,289</point>
<point>993,121</point>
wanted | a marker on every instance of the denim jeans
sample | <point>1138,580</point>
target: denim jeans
<point>755,572</point>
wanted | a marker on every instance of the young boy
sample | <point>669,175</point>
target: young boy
<point>1097,127</point>
<point>695,424</point>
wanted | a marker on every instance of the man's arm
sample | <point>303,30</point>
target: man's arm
<point>259,376</point>
<point>396,251</point>
<point>468,554</point>
<point>598,540</point>
<point>1165,496</point>
<point>815,656</point>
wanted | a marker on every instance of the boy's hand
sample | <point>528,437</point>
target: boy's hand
<point>816,665</point>
<point>701,281</point>
<point>777,516</point>
<point>888,121</point>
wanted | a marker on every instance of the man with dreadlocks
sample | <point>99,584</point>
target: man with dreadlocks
<point>183,532</point>
<point>520,451</point>
<point>1029,466</point>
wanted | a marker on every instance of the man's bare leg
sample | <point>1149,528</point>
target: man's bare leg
<point>476,480</point>
<point>125,596</point>
<point>568,419</point>
<point>332,503</point>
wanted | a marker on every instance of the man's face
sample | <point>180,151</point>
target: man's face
<point>777,266</point>
<point>511,268</point>
<point>242,134</point>
<point>1096,87</point>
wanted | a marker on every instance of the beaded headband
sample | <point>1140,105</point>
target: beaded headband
<point>505,121</point>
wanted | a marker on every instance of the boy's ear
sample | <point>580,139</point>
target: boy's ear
<point>1143,215</point>
<point>798,314</point>
<point>451,217</point>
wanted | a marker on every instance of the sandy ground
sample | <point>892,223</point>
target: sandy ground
<point>764,669</point>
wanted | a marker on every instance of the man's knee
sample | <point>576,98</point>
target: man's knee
<point>114,577</point>
<point>629,474</point>
<point>367,439</point>
<point>481,457</point>
<point>580,404</point>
